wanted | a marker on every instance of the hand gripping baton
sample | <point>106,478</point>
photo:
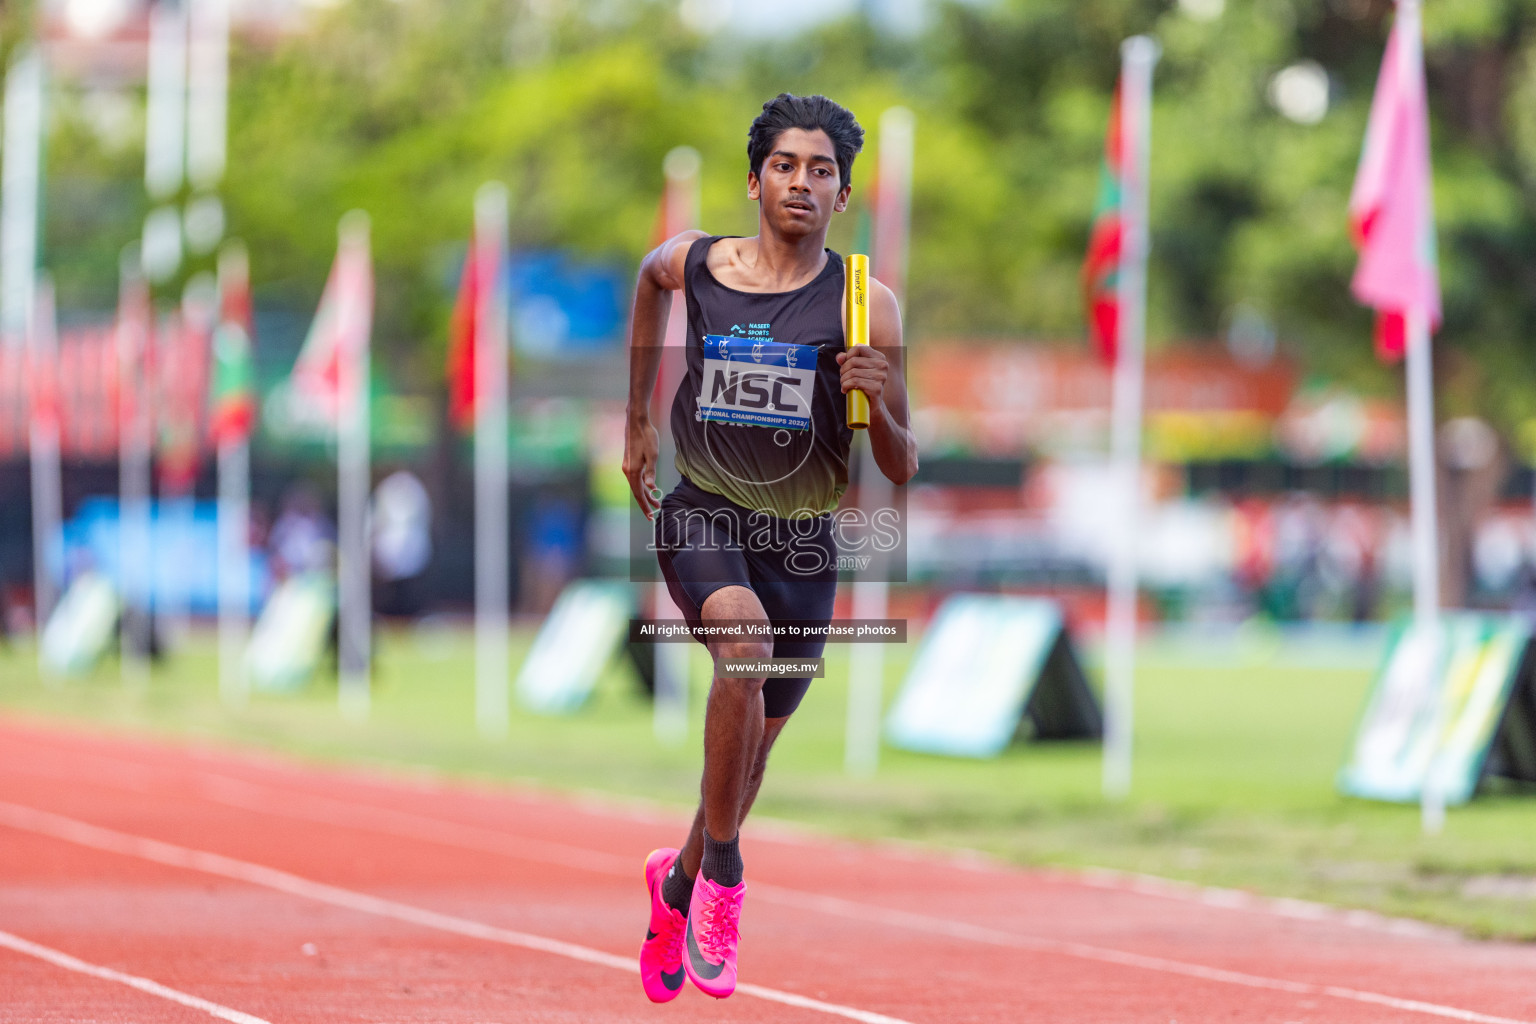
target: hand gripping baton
<point>856,327</point>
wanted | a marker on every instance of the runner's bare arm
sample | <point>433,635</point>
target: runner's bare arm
<point>660,272</point>
<point>876,369</point>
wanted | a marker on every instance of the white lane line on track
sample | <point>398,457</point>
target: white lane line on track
<point>82,833</point>
<point>422,828</point>
<point>154,988</point>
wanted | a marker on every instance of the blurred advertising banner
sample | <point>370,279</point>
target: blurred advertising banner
<point>1450,707</point>
<point>89,392</point>
<point>993,398</point>
<point>86,392</point>
<point>1008,399</point>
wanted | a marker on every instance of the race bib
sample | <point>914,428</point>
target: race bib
<point>758,383</point>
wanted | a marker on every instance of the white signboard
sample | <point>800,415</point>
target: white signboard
<point>292,633</point>
<point>982,667</point>
<point>1435,710</point>
<point>82,626</point>
<point>589,621</point>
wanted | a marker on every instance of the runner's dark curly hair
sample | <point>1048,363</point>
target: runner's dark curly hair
<point>786,111</point>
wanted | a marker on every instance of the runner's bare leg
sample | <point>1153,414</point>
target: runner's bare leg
<point>693,850</point>
<point>736,737</point>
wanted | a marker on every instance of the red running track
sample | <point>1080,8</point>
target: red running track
<point>145,882</point>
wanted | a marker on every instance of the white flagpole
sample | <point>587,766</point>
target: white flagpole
<point>1138,55</point>
<point>207,92</point>
<point>47,501</point>
<point>866,661</point>
<point>19,206</point>
<point>353,469</point>
<point>160,255</point>
<point>207,119</point>
<point>492,648</point>
<point>234,519</point>
<point>207,140</point>
<point>1424,526</point>
<point>165,137</point>
<point>1419,357</point>
<point>871,596</point>
<point>135,535</point>
<point>669,706</point>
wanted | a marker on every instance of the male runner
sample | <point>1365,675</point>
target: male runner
<point>762,446</point>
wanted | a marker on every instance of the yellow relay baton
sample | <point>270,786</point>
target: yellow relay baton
<point>856,327</point>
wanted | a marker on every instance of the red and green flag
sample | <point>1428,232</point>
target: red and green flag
<point>1101,266</point>
<point>233,399</point>
<point>182,343</point>
<point>461,347</point>
<point>483,269</point>
<point>339,333</point>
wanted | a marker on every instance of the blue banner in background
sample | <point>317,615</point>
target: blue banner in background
<point>563,308</point>
<point>184,556</point>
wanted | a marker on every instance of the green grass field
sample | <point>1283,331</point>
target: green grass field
<point>1237,743</point>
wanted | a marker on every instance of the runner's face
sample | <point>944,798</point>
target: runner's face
<point>799,187</point>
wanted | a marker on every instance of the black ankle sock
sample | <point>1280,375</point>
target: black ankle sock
<point>722,861</point>
<point>677,888</point>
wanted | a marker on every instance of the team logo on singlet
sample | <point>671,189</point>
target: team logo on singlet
<point>757,382</point>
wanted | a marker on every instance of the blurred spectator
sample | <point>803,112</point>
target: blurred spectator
<point>1499,556</point>
<point>1473,467</point>
<point>1296,585</point>
<point>554,548</point>
<point>1254,544</point>
<point>1350,561</point>
<point>402,543</point>
<point>1524,599</point>
<point>303,539</point>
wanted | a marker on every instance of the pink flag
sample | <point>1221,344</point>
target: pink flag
<point>339,331</point>
<point>1391,211</point>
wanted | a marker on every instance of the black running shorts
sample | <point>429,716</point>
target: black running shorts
<point>705,542</point>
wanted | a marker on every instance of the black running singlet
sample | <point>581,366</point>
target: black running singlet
<point>759,417</point>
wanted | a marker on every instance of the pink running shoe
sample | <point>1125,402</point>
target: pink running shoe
<point>661,955</point>
<point>714,917</point>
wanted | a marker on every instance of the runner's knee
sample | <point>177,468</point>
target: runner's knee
<point>756,650</point>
